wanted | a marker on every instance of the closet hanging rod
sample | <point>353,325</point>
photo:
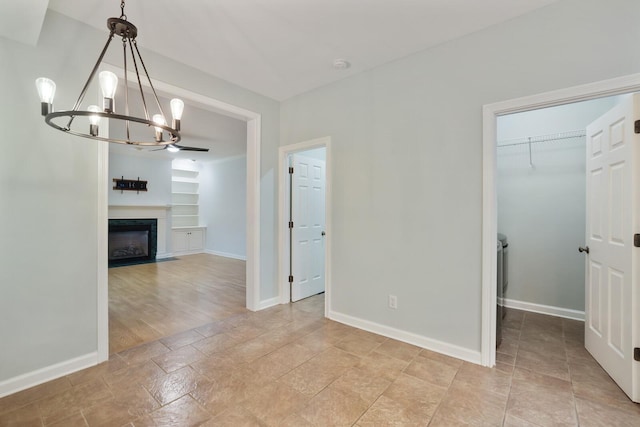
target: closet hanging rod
<point>542,138</point>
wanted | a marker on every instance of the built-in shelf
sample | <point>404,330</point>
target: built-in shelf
<point>179,179</point>
<point>185,171</point>
<point>184,197</point>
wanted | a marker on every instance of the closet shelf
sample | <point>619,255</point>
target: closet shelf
<point>542,138</point>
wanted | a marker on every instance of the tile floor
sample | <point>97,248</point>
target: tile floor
<point>287,366</point>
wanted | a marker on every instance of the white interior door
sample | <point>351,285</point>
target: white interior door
<point>308,216</point>
<point>612,317</point>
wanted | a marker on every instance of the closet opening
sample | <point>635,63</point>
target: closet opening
<point>541,209</point>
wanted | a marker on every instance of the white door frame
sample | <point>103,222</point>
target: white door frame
<point>283,219</point>
<point>253,121</point>
<point>490,112</point>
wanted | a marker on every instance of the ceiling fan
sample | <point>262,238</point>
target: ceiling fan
<point>174,148</point>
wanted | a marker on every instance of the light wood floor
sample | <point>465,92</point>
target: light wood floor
<point>151,301</point>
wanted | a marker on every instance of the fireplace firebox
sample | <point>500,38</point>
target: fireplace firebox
<point>132,241</point>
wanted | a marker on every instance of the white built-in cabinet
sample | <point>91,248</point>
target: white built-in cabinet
<point>188,240</point>
<point>187,235</point>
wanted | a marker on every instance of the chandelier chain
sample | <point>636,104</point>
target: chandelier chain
<point>122,15</point>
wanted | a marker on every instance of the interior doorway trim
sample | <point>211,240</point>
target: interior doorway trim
<point>490,113</point>
<point>283,211</point>
<point>253,121</point>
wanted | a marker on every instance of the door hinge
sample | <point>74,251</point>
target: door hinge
<point>290,279</point>
<point>291,167</point>
<point>636,240</point>
<point>637,126</point>
<point>290,224</point>
<point>636,354</point>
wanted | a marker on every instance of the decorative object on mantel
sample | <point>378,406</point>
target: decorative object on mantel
<point>108,84</point>
<point>129,185</point>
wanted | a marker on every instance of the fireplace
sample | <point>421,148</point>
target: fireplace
<point>132,241</point>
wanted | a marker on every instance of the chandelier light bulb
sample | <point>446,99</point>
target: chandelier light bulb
<point>177,107</point>
<point>172,148</point>
<point>46,91</point>
<point>108,84</point>
<point>94,119</point>
<point>159,119</point>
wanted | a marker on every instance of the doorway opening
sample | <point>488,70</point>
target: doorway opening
<point>491,113</point>
<point>304,220</point>
<point>253,138</point>
<point>541,201</point>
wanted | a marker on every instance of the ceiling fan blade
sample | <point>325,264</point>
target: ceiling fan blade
<point>183,148</point>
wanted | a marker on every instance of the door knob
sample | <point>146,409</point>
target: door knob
<point>585,249</point>
<point>323,233</point>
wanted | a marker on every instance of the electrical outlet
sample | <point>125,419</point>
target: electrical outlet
<point>393,301</point>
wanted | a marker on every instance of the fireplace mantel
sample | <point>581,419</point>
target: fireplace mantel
<point>141,207</point>
<point>160,212</point>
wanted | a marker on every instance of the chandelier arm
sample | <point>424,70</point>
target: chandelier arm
<point>126,87</point>
<point>135,65</point>
<point>91,76</point>
<point>144,67</point>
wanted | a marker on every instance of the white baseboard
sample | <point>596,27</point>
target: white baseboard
<point>268,303</point>
<point>225,254</point>
<point>567,313</point>
<point>452,350</point>
<point>30,379</point>
<point>164,255</point>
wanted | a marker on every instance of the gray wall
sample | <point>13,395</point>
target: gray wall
<point>542,209</point>
<point>157,173</point>
<point>407,157</point>
<point>48,214</point>
<point>223,207</point>
<point>48,189</point>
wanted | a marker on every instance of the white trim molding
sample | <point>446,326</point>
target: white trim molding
<point>283,211</point>
<point>102,295</point>
<point>254,139</point>
<point>549,310</point>
<point>225,254</point>
<point>40,376</point>
<point>472,356</point>
<point>269,303</point>
<point>490,113</point>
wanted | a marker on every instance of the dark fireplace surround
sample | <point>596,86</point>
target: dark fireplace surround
<point>132,241</point>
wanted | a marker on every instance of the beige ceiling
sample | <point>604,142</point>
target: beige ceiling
<point>281,48</point>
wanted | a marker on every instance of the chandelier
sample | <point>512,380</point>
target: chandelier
<point>65,121</point>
